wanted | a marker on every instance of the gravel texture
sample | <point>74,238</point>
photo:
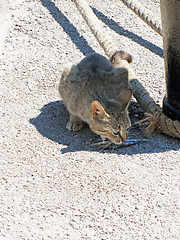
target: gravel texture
<point>54,183</point>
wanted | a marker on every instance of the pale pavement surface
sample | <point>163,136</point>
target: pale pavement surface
<point>5,20</point>
<point>54,183</point>
<point>7,10</point>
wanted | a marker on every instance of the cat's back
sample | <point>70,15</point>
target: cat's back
<point>95,63</point>
<point>94,72</point>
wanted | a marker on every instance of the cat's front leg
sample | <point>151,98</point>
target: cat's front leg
<point>75,123</point>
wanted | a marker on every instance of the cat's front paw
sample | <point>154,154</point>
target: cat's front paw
<point>74,126</point>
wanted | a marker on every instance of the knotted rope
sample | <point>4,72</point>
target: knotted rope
<point>153,112</point>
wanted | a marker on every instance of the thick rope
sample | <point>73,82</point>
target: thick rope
<point>145,14</point>
<point>154,113</point>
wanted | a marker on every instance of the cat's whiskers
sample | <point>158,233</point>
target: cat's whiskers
<point>102,143</point>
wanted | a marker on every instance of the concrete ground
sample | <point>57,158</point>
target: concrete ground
<point>54,183</point>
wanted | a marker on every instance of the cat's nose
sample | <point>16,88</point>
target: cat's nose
<point>124,138</point>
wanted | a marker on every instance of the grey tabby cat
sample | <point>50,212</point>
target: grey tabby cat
<point>96,92</point>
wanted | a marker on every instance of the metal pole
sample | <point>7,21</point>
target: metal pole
<point>170,16</point>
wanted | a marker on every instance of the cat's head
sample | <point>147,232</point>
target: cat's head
<point>112,123</point>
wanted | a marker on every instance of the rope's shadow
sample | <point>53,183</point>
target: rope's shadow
<point>68,27</point>
<point>121,31</point>
<point>81,42</point>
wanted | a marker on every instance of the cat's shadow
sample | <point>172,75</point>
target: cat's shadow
<point>51,123</point>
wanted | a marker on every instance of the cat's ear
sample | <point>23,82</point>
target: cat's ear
<point>97,110</point>
<point>124,97</point>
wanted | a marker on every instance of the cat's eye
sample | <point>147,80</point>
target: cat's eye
<point>116,133</point>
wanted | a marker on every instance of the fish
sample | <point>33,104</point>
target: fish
<point>110,145</point>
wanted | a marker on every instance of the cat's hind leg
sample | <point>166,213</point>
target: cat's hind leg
<point>75,123</point>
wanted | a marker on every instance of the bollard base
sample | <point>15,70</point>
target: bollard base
<point>170,111</point>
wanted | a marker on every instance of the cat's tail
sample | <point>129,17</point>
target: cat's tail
<point>122,55</point>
